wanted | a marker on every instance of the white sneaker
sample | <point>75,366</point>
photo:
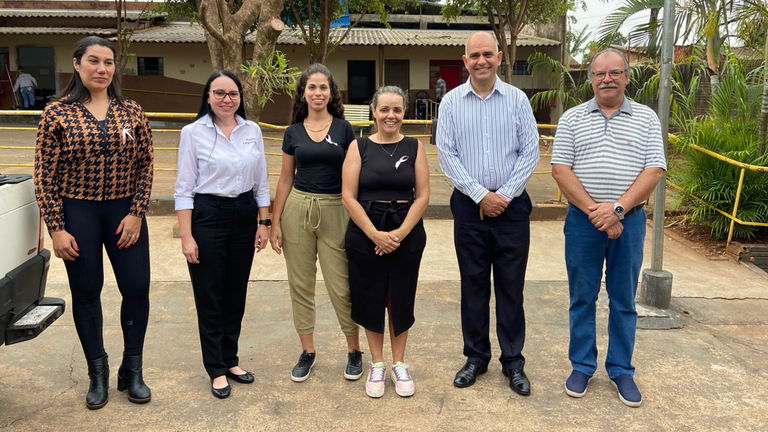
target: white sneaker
<point>402,378</point>
<point>374,387</point>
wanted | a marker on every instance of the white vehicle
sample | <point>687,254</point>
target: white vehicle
<point>24,310</point>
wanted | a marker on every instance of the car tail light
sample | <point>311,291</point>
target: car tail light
<point>40,239</point>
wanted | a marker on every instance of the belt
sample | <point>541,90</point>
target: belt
<point>222,199</point>
<point>633,209</point>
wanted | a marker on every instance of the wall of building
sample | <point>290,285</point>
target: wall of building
<point>187,67</point>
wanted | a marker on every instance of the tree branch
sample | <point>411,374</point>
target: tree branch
<point>204,15</point>
<point>346,33</point>
<point>298,18</point>
<point>224,15</point>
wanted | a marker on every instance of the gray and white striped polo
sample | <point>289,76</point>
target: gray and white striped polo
<point>608,153</point>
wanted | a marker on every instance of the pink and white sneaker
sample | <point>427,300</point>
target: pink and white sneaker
<point>402,378</point>
<point>374,387</point>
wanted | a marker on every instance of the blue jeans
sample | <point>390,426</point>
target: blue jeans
<point>586,249</point>
<point>28,95</point>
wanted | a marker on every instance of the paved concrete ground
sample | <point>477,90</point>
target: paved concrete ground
<point>710,374</point>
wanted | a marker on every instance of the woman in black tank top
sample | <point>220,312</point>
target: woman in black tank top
<point>385,189</point>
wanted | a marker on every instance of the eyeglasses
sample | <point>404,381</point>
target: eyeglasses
<point>614,74</point>
<point>221,94</point>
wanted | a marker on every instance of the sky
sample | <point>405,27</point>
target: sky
<point>597,10</point>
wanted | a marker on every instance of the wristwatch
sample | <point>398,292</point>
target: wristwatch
<point>267,222</point>
<point>619,210</point>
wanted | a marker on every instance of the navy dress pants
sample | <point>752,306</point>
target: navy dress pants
<point>499,244</point>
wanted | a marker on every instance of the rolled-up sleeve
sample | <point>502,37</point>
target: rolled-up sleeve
<point>186,175</point>
<point>261,188</point>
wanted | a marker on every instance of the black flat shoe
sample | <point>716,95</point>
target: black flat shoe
<point>221,393</point>
<point>246,378</point>
<point>467,375</point>
<point>518,382</point>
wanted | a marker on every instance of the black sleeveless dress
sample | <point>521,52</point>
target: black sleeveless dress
<point>386,177</point>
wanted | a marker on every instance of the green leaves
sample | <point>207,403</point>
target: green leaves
<point>728,129</point>
<point>274,75</point>
<point>560,78</point>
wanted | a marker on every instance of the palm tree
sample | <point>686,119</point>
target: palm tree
<point>695,20</point>
<point>565,88</point>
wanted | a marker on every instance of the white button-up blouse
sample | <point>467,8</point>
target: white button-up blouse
<point>209,163</point>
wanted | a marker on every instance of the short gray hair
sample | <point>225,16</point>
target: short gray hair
<point>607,50</point>
<point>389,89</point>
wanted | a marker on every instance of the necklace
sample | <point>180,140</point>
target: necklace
<point>318,130</point>
<point>393,151</point>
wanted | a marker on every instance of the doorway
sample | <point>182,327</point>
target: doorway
<point>398,73</point>
<point>361,75</point>
<point>6,87</point>
<point>41,64</point>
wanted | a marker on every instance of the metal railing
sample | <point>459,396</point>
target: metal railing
<point>743,167</point>
<point>428,122</point>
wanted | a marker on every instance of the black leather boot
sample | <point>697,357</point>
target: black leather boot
<point>130,377</point>
<point>98,392</point>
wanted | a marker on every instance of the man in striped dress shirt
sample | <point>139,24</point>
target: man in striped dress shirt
<point>487,143</point>
<point>607,157</point>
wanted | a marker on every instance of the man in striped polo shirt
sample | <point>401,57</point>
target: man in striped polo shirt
<point>607,157</point>
<point>488,146</point>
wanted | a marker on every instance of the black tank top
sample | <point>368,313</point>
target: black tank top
<point>387,170</point>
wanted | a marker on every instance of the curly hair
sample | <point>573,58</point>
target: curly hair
<point>300,107</point>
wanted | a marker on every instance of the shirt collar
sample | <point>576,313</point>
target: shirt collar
<point>207,120</point>
<point>626,106</point>
<point>496,87</point>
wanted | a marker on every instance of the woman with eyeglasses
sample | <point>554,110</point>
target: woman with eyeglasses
<point>222,201</point>
<point>309,219</point>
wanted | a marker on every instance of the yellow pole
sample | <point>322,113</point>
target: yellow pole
<point>735,207</point>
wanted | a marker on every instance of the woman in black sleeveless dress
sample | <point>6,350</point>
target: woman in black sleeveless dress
<point>385,189</point>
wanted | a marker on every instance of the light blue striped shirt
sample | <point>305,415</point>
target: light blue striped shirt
<point>489,144</point>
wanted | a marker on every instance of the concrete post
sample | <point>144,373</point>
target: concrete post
<point>656,286</point>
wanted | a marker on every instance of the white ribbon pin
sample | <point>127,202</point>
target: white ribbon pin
<point>126,133</point>
<point>401,160</point>
<point>328,139</point>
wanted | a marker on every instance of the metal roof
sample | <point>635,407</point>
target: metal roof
<point>67,13</point>
<point>186,33</point>
<point>57,31</point>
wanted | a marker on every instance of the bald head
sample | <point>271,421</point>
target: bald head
<point>480,37</point>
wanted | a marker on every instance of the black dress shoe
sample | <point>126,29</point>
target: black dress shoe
<point>518,382</point>
<point>467,375</point>
<point>221,393</point>
<point>246,378</point>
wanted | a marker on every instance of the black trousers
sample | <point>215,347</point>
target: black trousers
<point>93,224</point>
<point>224,229</point>
<point>500,245</point>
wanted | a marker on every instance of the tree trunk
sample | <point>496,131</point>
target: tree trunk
<point>511,54</point>
<point>270,25</point>
<point>653,24</point>
<point>713,59</point>
<point>764,108</point>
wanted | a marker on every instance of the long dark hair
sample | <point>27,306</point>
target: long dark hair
<point>205,107</point>
<point>300,108</point>
<point>75,90</point>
